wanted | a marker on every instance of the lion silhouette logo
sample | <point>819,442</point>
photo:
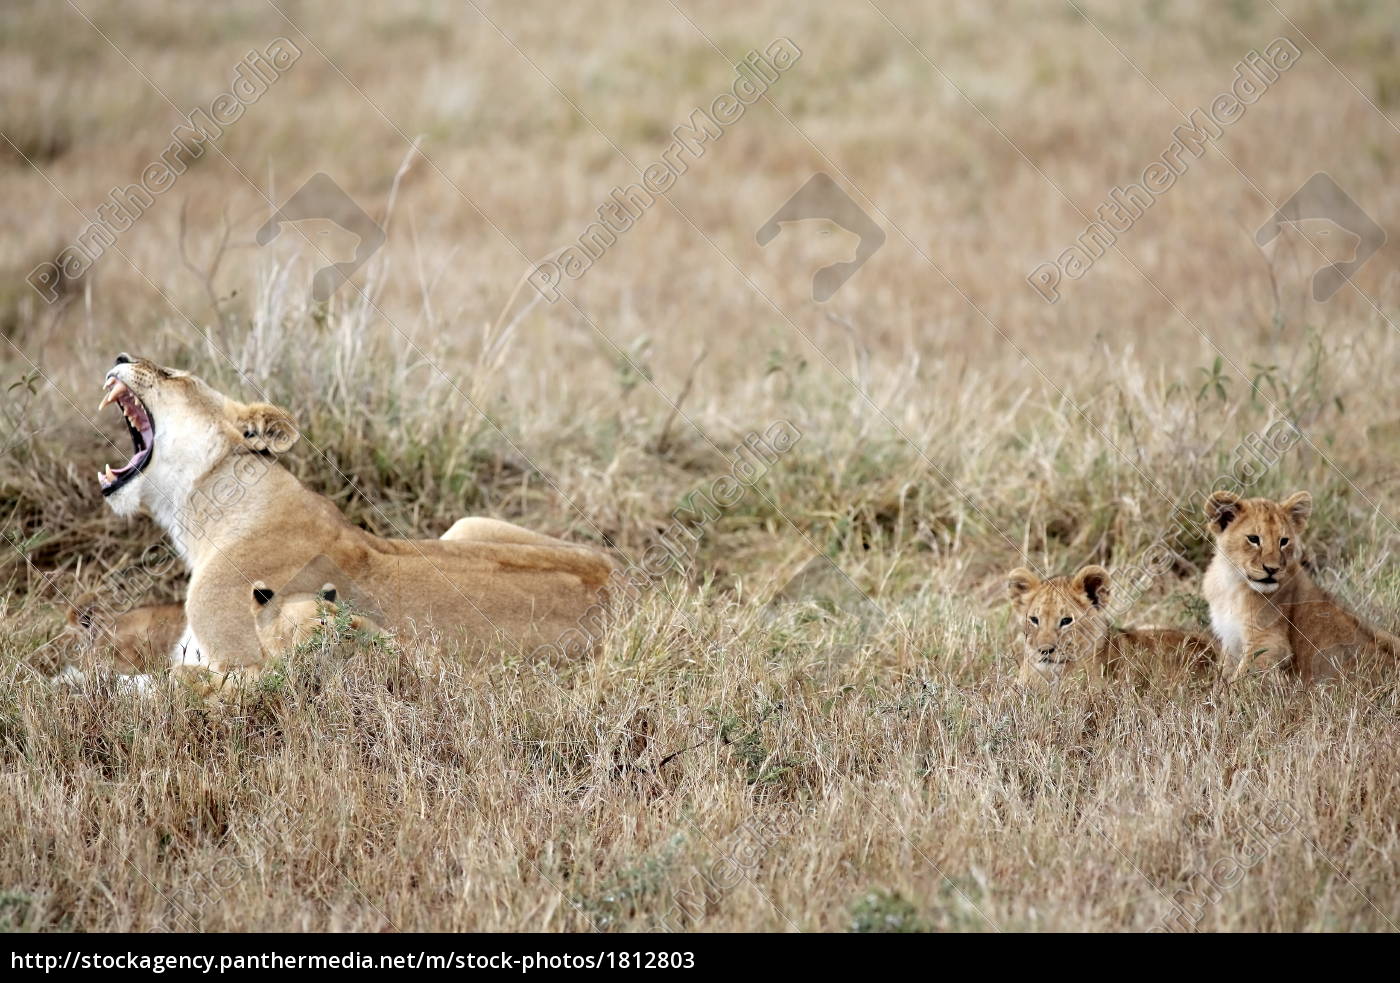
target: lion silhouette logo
<point>822,198</point>
<point>1326,218</point>
<point>322,202</point>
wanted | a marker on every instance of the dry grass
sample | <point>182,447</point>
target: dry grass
<point>954,426</point>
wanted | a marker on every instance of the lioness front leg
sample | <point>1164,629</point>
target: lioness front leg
<point>220,636</point>
<point>212,681</point>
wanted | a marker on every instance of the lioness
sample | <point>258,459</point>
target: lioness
<point>1264,606</point>
<point>1065,633</point>
<point>144,640</point>
<point>204,466</point>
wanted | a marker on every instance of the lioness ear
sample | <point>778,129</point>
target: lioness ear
<point>1221,509</point>
<point>1020,582</point>
<point>261,593</point>
<point>328,593</point>
<point>1299,507</point>
<point>1092,581</point>
<point>264,427</point>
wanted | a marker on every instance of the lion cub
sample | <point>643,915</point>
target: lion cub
<point>1264,606</point>
<point>285,621</point>
<point>1066,633</point>
<point>133,643</point>
<point>282,622</point>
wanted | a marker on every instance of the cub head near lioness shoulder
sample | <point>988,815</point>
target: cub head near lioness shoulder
<point>287,621</point>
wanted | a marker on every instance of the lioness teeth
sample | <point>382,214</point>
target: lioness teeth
<point>115,387</point>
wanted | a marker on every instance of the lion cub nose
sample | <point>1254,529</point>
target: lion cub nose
<point>1047,650</point>
<point>1269,571</point>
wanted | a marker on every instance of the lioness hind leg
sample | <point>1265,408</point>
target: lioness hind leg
<point>484,530</point>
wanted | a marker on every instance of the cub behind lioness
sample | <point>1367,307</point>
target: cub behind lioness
<point>1264,606</point>
<point>1066,633</point>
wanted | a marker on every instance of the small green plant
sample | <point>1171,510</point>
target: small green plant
<point>1217,382</point>
<point>883,911</point>
<point>628,891</point>
<point>14,910</point>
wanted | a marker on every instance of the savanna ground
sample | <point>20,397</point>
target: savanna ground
<point>843,763</point>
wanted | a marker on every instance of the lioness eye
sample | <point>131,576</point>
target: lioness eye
<point>1254,540</point>
<point>1035,620</point>
<point>1283,541</point>
<point>1065,621</point>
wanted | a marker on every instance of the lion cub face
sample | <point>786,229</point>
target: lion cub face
<point>285,621</point>
<point>1062,621</point>
<point>1261,540</point>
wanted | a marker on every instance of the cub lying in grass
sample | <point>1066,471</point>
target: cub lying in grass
<point>131,644</point>
<point>1264,606</point>
<point>284,622</point>
<point>1066,634</point>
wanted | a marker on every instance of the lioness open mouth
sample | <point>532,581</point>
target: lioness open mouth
<point>143,434</point>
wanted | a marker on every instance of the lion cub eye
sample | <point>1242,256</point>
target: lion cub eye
<point>1253,540</point>
<point>1065,621</point>
<point>1035,620</point>
<point>1283,541</point>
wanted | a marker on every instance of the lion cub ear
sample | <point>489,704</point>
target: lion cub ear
<point>328,593</point>
<point>1092,582</point>
<point>1299,508</point>
<point>1222,508</point>
<point>261,593</point>
<point>1019,583</point>
<point>264,427</point>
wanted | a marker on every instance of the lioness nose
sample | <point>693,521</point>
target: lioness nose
<point>1269,571</point>
<point>123,359</point>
